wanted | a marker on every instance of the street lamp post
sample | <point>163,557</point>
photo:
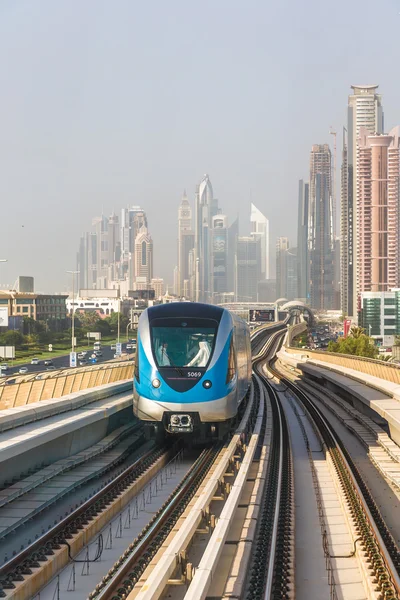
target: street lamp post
<point>119,312</point>
<point>73,273</point>
<point>127,330</point>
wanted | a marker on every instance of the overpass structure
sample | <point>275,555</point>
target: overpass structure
<point>297,305</point>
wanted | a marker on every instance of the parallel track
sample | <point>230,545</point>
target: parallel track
<point>374,536</point>
<point>271,569</point>
<point>38,552</point>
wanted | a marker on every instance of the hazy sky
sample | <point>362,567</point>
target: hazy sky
<point>110,103</point>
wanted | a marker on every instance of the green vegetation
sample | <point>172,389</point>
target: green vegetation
<point>37,335</point>
<point>300,340</point>
<point>356,344</point>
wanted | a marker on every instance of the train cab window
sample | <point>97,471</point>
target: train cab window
<point>183,342</point>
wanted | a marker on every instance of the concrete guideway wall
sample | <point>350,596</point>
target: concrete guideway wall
<point>27,392</point>
<point>369,366</point>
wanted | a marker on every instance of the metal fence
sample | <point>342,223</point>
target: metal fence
<point>60,384</point>
<point>370,366</point>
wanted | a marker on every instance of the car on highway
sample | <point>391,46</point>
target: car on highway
<point>81,355</point>
<point>113,347</point>
<point>51,368</point>
<point>83,362</point>
<point>23,370</point>
<point>4,367</point>
<point>129,346</point>
<point>98,353</point>
<point>48,362</point>
<point>35,361</point>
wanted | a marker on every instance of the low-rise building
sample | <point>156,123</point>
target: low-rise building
<point>379,315</point>
<point>40,307</point>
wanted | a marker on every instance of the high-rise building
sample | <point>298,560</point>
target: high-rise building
<point>185,242</point>
<point>364,110</point>
<point>291,273</point>
<point>320,229</point>
<point>378,169</point>
<point>114,248</point>
<point>206,208</point>
<point>100,227</point>
<point>219,255</point>
<point>260,228</point>
<point>248,269</point>
<point>267,290</point>
<point>26,284</point>
<point>379,315</point>
<point>303,276</point>
<point>282,246</point>
<point>144,257</point>
<point>157,284</point>
<point>233,234</point>
<point>132,220</point>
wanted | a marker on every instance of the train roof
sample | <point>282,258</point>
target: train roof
<point>188,309</point>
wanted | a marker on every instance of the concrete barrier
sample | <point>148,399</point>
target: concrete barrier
<point>62,384</point>
<point>369,366</point>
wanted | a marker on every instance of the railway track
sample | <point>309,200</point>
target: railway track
<point>228,528</point>
<point>273,543</point>
<point>165,559</point>
<point>32,496</point>
<point>55,548</point>
<point>373,542</point>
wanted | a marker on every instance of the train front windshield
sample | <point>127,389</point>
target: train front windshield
<point>178,342</point>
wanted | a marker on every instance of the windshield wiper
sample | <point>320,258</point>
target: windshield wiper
<point>177,369</point>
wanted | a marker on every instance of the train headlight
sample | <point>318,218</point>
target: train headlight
<point>156,383</point>
<point>207,384</point>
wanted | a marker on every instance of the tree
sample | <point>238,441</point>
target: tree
<point>357,332</point>
<point>31,326</point>
<point>12,338</point>
<point>113,322</point>
<point>362,345</point>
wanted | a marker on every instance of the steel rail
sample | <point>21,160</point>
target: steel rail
<point>272,544</point>
<point>40,549</point>
<point>121,578</point>
<point>272,554</point>
<point>205,571</point>
<point>379,550</point>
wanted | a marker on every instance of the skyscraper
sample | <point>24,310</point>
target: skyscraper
<point>233,234</point>
<point>364,110</point>
<point>282,246</point>
<point>144,257</point>
<point>185,241</point>
<point>248,269</point>
<point>206,208</point>
<point>260,228</point>
<point>132,220</point>
<point>302,243</point>
<point>320,229</point>
<point>219,255</point>
<point>100,227</point>
<point>378,169</point>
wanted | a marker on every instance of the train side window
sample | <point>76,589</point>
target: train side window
<point>231,362</point>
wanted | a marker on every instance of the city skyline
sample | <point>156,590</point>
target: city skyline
<point>116,126</point>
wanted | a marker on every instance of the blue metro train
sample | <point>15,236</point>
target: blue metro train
<point>193,368</point>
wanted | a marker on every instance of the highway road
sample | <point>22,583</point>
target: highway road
<point>60,362</point>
